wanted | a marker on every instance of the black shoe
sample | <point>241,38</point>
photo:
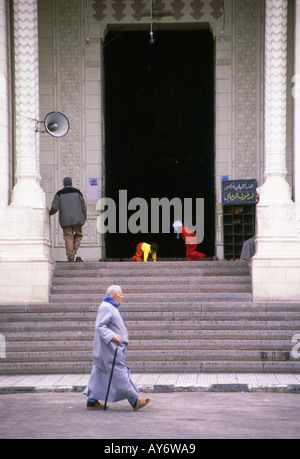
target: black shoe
<point>71,259</point>
<point>78,259</point>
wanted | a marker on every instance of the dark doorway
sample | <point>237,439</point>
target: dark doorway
<point>159,128</point>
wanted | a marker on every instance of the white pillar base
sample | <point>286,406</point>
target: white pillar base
<point>28,191</point>
<point>25,264</point>
<point>276,264</point>
<point>276,280</point>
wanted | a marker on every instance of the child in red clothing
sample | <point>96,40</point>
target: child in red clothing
<point>190,241</point>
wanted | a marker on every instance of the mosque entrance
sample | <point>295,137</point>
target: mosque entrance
<point>159,133</point>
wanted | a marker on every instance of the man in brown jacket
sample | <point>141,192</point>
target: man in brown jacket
<point>70,203</point>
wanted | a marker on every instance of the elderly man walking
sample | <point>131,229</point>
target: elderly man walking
<point>110,329</point>
<point>70,203</point>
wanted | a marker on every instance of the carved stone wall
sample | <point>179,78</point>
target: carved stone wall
<point>239,99</point>
<point>69,85</point>
<point>68,97</point>
<point>248,89</point>
<point>130,12</point>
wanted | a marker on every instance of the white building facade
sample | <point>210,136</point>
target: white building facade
<point>52,60</point>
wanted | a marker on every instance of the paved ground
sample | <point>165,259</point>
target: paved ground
<point>183,406</point>
<point>170,416</point>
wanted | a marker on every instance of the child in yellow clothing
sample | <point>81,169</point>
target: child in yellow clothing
<point>143,250</point>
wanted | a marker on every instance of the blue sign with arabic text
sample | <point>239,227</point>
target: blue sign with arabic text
<point>239,191</point>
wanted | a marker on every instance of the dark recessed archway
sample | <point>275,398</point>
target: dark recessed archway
<point>159,127</point>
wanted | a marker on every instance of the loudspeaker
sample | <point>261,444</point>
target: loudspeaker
<point>56,124</point>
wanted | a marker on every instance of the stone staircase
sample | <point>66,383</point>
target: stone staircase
<point>181,316</point>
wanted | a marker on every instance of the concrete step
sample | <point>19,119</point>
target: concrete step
<point>159,269</point>
<point>163,325</point>
<point>181,317</point>
<point>210,306</point>
<point>168,265</point>
<point>153,315</point>
<point>149,280</point>
<point>148,289</point>
<point>151,344</point>
<point>145,336</point>
<point>223,366</point>
<point>181,355</point>
<point>127,275</point>
<point>78,335</point>
<point>153,297</point>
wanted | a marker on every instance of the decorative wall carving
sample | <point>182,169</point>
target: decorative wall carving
<point>217,6</point>
<point>91,238</point>
<point>69,88</point>
<point>119,6</point>
<point>69,82</point>
<point>99,7</point>
<point>178,6</point>
<point>138,7</point>
<point>247,89</point>
<point>197,9</point>
<point>120,11</point>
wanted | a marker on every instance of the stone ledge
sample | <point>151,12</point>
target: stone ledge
<point>159,383</point>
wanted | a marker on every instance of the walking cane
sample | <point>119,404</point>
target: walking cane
<point>110,378</point>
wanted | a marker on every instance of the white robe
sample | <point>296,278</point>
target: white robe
<point>109,322</point>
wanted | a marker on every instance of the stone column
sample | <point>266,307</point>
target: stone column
<point>25,264</point>
<point>296,95</point>
<point>27,191</point>
<point>276,188</point>
<point>4,105</point>
<point>276,265</point>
